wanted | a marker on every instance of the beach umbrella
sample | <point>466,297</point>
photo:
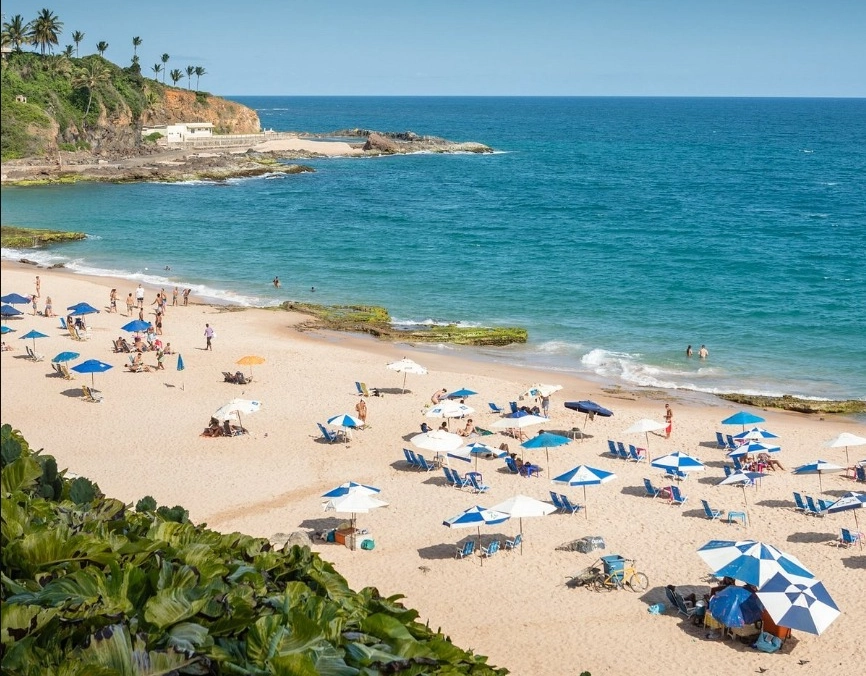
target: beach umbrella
<point>354,502</point>
<point>742,418</point>
<point>5,329</point>
<point>180,367</point>
<point>845,439</point>
<point>14,299</point>
<point>250,360</point>
<point>645,426</point>
<point>448,409</point>
<point>91,366</point>
<point>438,441</point>
<point>798,602</point>
<point>735,606</point>
<point>462,393</point>
<point>406,366</point>
<point>82,309</point>
<point>546,440</point>
<point>475,517</point>
<point>65,356</point>
<point>682,462</point>
<point>582,475</point>
<point>350,487</point>
<point>750,561</point>
<point>590,408</point>
<point>541,390</point>
<point>850,500</point>
<point>744,479</point>
<point>135,326</point>
<point>518,421</point>
<point>347,422</point>
<point>819,467</point>
<point>752,448</point>
<point>235,407</point>
<point>521,506</point>
<point>466,452</point>
<point>756,434</point>
<point>7,311</point>
<point>34,334</point>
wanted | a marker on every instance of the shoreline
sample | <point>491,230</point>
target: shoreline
<point>143,439</point>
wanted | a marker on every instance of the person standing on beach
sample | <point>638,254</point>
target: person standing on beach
<point>208,334</point>
<point>139,296</point>
<point>361,408</point>
<point>174,297</point>
<point>33,299</point>
<point>112,301</point>
<point>669,420</point>
<point>689,351</point>
<point>38,286</point>
<point>703,353</point>
<point>130,304</point>
<point>186,296</point>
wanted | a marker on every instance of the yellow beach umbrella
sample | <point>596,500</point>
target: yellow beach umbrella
<point>249,360</point>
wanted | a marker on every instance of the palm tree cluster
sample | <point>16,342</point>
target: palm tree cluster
<point>45,30</point>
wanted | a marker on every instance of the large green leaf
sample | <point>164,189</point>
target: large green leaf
<point>386,627</point>
<point>17,621</point>
<point>19,475</point>
<point>170,606</point>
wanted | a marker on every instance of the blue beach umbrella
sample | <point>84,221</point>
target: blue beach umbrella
<point>135,326</point>
<point>589,407</point>
<point>65,356</point>
<point>461,393</point>
<point>797,602</point>
<point>82,309</point>
<point>742,418</point>
<point>180,367</point>
<point>819,467</point>
<point>475,517</point>
<point>5,329</point>
<point>583,475</point>
<point>475,449</point>
<point>7,311</point>
<point>750,561</point>
<point>92,366</point>
<point>850,500</point>
<point>682,462</point>
<point>546,440</point>
<point>735,606</point>
<point>752,448</point>
<point>34,334</point>
<point>346,421</point>
<point>14,299</point>
<point>756,434</point>
<point>350,487</point>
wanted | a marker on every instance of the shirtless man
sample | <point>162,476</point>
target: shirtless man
<point>437,395</point>
<point>703,353</point>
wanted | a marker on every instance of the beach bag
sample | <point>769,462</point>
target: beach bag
<point>367,544</point>
<point>767,643</point>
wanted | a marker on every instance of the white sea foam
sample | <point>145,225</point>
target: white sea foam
<point>406,323</point>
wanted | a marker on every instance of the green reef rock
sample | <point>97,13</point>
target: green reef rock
<point>19,238</point>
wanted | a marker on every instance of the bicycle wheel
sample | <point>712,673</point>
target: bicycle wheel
<point>601,584</point>
<point>638,582</point>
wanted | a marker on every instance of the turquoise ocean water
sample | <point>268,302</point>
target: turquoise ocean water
<point>616,230</point>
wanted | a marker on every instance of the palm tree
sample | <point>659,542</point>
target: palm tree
<point>135,59</point>
<point>68,51</point>
<point>77,37</point>
<point>89,79</point>
<point>136,43</point>
<point>199,71</point>
<point>45,29</point>
<point>189,73</point>
<point>175,75</point>
<point>101,47</point>
<point>156,68</point>
<point>15,32</point>
<point>164,58</point>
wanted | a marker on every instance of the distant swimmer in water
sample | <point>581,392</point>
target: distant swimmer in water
<point>689,351</point>
<point>167,267</point>
<point>703,353</point>
<point>276,282</point>
<point>312,288</point>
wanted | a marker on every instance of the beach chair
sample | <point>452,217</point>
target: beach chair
<point>125,347</point>
<point>513,406</point>
<point>512,466</point>
<point>731,443</point>
<point>860,473</point>
<point>676,474</point>
<point>411,458</point>
<point>728,470</point>
<point>651,490</point>
<point>515,543</point>
<point>799,503</point>
<point>91,395</point>
<point>823,504</point>
<point>567,505</point>
<point>554,498</point>
<point>490,550</point>
<point>229,377</point>
<point>468,549</point>
<point>362,389</point>
<point>812,508</point>
<point>328,435</point>
<point>495,409</point>
<point>636,454</point>
<point>848,538</point>
<point>243,379</point>
<point>460,481</point>
<point>475,483</point>
<point>423,464</point>
<point>117,346</point>
<point>611,444</point>
<point>63,323</point>
<point>712,514</point>
<point>449,477</point>
<point>63,370</point>
<point>676,498</point>
<point>737,464</point>
<point>678,602</point>
<point>481,432</point>
<point>720,441</point>
<point>621,453</point>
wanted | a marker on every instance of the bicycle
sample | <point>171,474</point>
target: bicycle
<point>629,577</point>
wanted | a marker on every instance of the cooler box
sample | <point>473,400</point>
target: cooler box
<point>613,565</point>
<point>345,537</point>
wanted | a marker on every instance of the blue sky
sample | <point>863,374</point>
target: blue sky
<point>484,47</point>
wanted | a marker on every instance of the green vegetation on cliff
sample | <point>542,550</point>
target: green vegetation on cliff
<point>22,238</point>
<point>90,586</point>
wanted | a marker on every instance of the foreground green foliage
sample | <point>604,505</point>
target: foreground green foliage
<point>89,587</point>
<point>18,238</point>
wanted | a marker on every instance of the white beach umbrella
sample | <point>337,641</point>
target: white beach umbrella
<point>449,408</point>
<point>645,426</point>
<point>465,453</point>
<point>438,441</point>
<point>405,366</point>
<point>354,502</point>
<point>519,422</point>
<point>523,506</point>
<point>845,439</point>
<point>235,407</point>
<point>541,390</point>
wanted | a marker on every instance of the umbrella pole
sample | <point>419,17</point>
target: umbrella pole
<point>585,510</point>
<point>404,383</point>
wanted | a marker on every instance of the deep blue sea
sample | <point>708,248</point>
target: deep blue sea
<point>617,230</point>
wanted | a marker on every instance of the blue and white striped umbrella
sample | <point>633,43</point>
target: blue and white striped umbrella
<point>583,475</point>
<point>752,448</point>
<point>449,409</point>
<point>345,420</point>
<point>756,434</point>
<point>848,501</point>
<point>819,467</point>
<point>475,517</point>
<point>682,462</point>
<point>798,602</point>
<point>350,487</point>
<point>750,561</point>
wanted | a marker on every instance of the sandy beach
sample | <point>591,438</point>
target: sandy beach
<point>144,439</point>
